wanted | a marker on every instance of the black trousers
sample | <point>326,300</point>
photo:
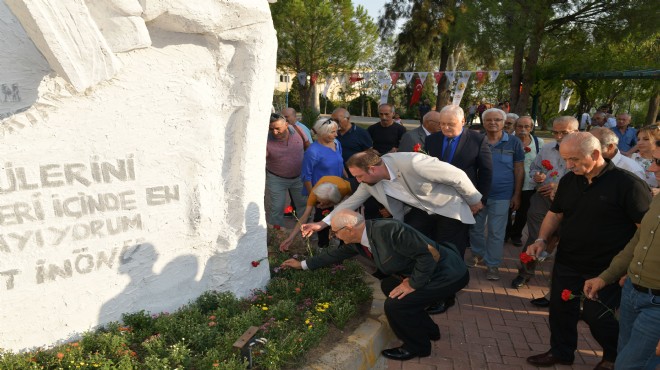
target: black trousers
<point>564,315</point>
<point>407,316</point>
<point>440,228</point>
<point>516,224</point>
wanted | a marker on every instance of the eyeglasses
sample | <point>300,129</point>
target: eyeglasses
<point>563,133</point>
<point>275,117</point>
<point>329,121</point>
<point>338,230</point>
<point>656,161</point>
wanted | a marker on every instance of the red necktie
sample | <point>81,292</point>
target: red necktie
<point>367,252</point>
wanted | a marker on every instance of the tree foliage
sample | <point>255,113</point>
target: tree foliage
<point>321,36</point>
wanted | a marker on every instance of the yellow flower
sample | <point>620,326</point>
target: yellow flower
<point>264,308</point>
<point>307,321</point>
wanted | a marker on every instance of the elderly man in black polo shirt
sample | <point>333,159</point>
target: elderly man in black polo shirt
<point>598,207</point>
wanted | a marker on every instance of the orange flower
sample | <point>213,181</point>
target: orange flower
<point>60,355</point>
<point>297,290</point>
<point>212,317</point>
<point>75,344</point>
<point>211,323</point>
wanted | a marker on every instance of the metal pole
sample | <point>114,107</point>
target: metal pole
<point>286,81</point>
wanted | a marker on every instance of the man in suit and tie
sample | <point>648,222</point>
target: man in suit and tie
<point>420,270</point>
<point>415,188</point>
<point>469,151</point>
<point>430,125</point>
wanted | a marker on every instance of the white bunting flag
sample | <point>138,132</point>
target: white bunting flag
<point>451,75</point>
<point>466,74</point>
<point>302,78</point>
<point>328,82</point>
<point>422,76</point>
<point>460,89</point>
<point>342,79</point>
<point>508,71</point>
<point>367,76</point>
<point>565,97</point>
<point>492,75</point>
<point>408,76</point>
<point>384,93</point>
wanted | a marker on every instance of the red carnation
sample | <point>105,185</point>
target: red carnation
<point>525,258</point>
<point>325,212</point>
<point>546,164</point>
<point>566,295</point>
<point>288,209</point>
<point>277,227</point>
<point>255,263</point>
<point>554,173</point>
<point>417,148</point>
<point>527,149</point>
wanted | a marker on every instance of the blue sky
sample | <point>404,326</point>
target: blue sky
<point>373,7</point>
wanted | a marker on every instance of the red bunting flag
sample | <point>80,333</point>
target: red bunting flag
<point>355,77</point>
<point>480,76</point>
<point>313,78</point>
<point>417,93</point>
<point>395,77</point>
<point>437,76</point>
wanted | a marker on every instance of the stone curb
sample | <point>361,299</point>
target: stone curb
<point>361,349</point>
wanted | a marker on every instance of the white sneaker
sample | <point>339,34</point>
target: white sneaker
<point>492,273</point>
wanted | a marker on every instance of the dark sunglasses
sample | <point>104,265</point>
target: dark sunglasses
<point>275,117</point>
<point>329,121</point>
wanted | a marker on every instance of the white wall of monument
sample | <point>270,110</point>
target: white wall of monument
<point>131,158</point>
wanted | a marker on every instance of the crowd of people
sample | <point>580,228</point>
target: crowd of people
<point>413,202</point>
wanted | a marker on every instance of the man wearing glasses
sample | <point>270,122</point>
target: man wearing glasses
<point>419,272</point>
<point>545,172</point>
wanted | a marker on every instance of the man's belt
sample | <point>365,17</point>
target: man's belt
<point>642,289</point>
<point>284,177</point>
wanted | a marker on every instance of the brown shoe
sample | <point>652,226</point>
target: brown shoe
<point>605,365</point>
<point>547,360</point>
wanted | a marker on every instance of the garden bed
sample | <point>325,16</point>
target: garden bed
<point>295,312</point>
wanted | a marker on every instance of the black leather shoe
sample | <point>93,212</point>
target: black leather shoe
<point>547,360</point>
<point>401,354</point>
<point>441,307</point>
<point>435,337</point>
<point>516,241</point>
<point>540,302</point>
<point>519,281</point>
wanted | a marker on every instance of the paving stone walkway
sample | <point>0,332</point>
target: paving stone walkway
<point>493,326</point>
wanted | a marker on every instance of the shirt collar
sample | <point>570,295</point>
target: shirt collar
<point>365,241</point>
<point>426,131</point>
<point>389,170</point>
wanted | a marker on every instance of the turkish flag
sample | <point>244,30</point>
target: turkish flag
<point>480,76</point>
<point>313,78</point>
<point>417,93</point>
<point>437,76</point>
<point>355,77</point>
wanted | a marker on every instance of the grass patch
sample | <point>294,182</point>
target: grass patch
<point>294,312</point>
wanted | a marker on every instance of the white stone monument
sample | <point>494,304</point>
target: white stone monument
<point>132,138</point>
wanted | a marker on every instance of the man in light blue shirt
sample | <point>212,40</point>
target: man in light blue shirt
<point>627,135</point>
<point>292,119</point>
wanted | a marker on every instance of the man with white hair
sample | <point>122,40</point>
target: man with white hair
<point>417,137</point>
<point>469,151</point>
<point>420,271</point>
<point>598,207</point>
<point>608,141</point>
<point>510,123</point>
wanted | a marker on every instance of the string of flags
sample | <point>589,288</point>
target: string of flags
<point>388,80</point>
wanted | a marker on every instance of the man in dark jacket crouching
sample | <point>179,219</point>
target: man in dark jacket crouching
<point>420,271</point>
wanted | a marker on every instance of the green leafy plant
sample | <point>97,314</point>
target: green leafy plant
<point>293,313</point>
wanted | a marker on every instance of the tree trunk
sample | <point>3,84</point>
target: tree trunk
<point>530,68</point>
<point>443,86</point>
<point>516,76</point>
<point>654,105</point>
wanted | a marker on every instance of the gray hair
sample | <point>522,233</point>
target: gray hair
<point>605,136</point>
<point>572,122</point>
<point>389,105</point>
<point>455,110</point>
<point>346,217</point>
<point>584,142</point>
<point>495,110</point>
<point>327,191</point>
<point>512,115</point>
<point>323,126</point>
<point>344,112</point>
